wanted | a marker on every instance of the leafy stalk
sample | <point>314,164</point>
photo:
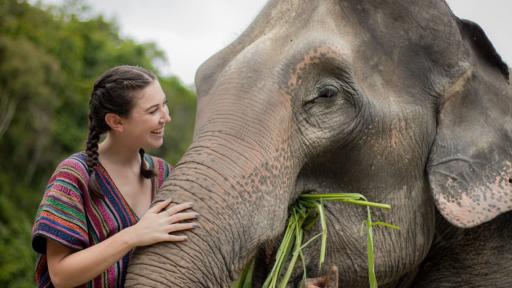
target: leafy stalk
<point>323,223</point>
<point>303,214</point>
<point>371,258</point>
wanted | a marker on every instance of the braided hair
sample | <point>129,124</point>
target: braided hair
<point>113,93</point>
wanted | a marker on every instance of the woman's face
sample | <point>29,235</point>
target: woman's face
<point>145,124</point>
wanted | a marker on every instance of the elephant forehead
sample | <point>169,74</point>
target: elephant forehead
<point>335,54</point>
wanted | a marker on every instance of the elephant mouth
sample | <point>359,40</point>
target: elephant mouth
<point>306,209</point>
<point>304,186</point>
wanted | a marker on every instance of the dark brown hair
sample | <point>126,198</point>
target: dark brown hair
<point>113,93</point>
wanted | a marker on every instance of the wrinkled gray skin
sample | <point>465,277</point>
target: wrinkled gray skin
<point>404,103</point>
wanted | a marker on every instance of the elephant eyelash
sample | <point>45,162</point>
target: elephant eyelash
<point>328,91</point>
<point>345,92</point>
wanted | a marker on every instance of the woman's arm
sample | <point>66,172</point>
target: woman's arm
<point>70,268</point>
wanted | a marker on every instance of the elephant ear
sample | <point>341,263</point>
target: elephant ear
<point>470,165</point>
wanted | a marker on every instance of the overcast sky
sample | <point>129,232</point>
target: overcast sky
<point>190,31</point>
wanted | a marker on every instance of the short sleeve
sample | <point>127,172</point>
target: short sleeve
<point>61,214</point>
<point>165,170</point>
<point>168,170</point>
<point>162,168</point>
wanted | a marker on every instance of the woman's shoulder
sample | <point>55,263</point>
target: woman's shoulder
<point>78,158</point>
<point>76,161</point>
<point>61,214</point>
<point>74,167</point>
<point>158,165</point>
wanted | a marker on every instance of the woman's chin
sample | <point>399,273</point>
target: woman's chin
<point>155,144</point>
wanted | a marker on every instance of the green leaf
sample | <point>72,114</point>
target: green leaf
<point>245,280</point>
<point>384,224</point>
<point>371,257</point>
<point>323,224</point>
<point>303,214</point>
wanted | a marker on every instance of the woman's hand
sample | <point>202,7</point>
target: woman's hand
<point>158,223</point>
<point>70,268</point>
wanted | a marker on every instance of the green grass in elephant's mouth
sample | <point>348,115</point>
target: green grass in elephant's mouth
<point>304,213</point>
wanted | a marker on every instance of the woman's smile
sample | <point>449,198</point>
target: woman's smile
<point>159,132</point>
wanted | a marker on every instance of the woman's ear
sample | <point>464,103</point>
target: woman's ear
<point>115,122</point>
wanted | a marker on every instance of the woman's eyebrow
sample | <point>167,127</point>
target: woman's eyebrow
<point>156,105</point>
<point>151,107</point>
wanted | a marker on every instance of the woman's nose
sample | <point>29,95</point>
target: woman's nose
<point>166,118</point>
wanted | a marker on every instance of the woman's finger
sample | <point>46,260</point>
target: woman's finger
<point>182,227</point>
<point>183,216</point>
<point>174,238</point>
<point>159,206</point>
<point>178,208</point>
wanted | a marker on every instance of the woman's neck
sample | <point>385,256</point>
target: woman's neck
<point>113,152</point>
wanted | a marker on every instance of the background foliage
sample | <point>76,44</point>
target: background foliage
<point>49,58</point>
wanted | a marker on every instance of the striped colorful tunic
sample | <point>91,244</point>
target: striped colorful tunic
<point>73,217</point>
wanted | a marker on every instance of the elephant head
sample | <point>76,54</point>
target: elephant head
<point>404,103</point>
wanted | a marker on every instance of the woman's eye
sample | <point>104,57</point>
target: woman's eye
<point>328,92</point>
<point>153,111</point>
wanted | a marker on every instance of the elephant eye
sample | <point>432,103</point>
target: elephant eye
<point>327,92</point>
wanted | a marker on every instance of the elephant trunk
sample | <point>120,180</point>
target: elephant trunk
<point>239,172</point>
<point>224,184</point>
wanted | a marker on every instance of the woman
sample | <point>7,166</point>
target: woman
<point>95,209</point>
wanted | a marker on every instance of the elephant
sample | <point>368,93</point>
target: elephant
<point>402,102</point>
